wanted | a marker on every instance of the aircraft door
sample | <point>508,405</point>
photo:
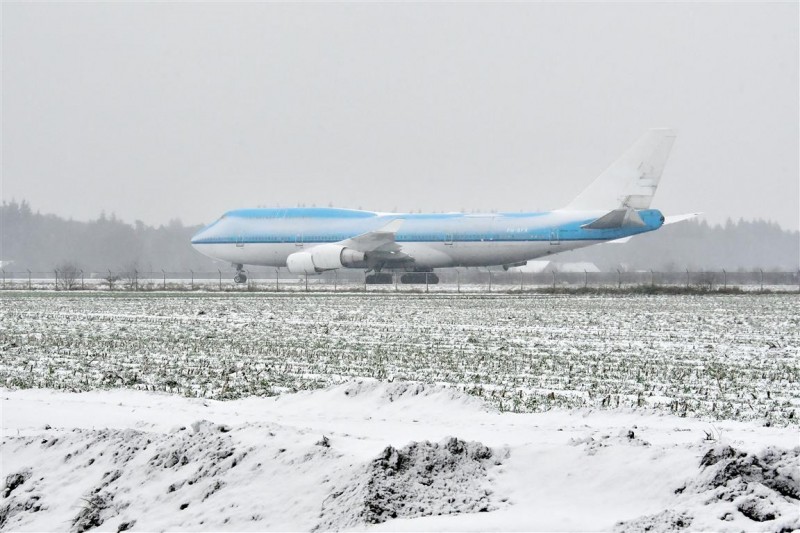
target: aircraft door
<point>555,238</point>
<point>298,240</point>
<point>448,238</point>
<point>240,241</point>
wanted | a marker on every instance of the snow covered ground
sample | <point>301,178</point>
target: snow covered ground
<point>382,456</point>
<point>723,356</point>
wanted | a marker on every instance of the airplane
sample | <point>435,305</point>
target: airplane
<point>615,207</point>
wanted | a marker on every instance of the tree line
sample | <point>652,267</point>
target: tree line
<point>43,242</point>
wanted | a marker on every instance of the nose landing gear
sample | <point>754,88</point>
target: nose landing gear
<point>241,274</point>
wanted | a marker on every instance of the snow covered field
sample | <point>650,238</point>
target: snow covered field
<point>384,457</point>
<point>726,357</point>
<point>413,412</point>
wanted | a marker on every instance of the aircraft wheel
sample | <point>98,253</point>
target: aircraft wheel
<point>379,278</point>
<point>419,278</point>
<point>241,277</point>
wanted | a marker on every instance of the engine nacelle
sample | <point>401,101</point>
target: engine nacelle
<point>324,257</point>
<point>301,263</point>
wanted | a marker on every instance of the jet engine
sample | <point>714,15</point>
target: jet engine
<point>324,257</point>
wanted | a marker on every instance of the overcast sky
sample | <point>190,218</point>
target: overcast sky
<point>176,110</point>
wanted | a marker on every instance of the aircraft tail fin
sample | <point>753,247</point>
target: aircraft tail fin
<point>632,180</point>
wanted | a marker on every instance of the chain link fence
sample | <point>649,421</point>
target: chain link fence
<point>443,280</point>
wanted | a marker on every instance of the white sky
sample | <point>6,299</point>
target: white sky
<point>177,110</point>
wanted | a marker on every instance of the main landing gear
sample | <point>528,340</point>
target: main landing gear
<point>407,278</point>
<point>380,278</point>
<point>419,277</point>
<point>241,274</point>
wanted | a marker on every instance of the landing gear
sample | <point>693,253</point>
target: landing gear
<point>380,278</point>
<point>419,277</point>
<point>241,274</point>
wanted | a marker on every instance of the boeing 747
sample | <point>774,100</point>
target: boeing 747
<point>313,240</point>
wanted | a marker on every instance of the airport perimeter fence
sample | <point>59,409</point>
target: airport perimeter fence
<point>443,280</point>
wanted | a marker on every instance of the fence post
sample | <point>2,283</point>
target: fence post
<point>82,279</point>
<point>521,281</point>
<point>490,281</point>
<point>110,280</point>
<point>687,278</point>
<point>554,279</point>
<point>306,281</point>
<point>724,280</point>
<point>762,279</point>
<point>336,279</point>
<point>426,282</point>
<point>135,280</point>
<point>4,278</point>
<point>394,275</point>
<point>277,279</point>
<point>220,278</point>
<point>365,281</point>
<point>192,271</point>
<point>164,279</point>
<point>29,279</point>
<point>619,279</point>
<point>56,271</point>
<point>652,278</point>
<point>458,281</point>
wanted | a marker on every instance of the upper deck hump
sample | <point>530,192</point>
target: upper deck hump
<point>300,212</point>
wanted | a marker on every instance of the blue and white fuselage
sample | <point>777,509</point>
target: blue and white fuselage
<point>269,236</point>
<point>311,240</point>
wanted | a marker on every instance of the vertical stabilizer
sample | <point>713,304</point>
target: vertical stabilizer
<point>632,180</point>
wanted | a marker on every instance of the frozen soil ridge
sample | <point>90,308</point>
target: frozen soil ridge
<point>382,393</point>
<point>420,479</point>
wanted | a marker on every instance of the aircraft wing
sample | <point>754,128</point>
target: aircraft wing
<point>379,243</point>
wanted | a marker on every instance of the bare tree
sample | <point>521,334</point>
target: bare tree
<point>111,278</point>
<point>67,275</point>
<point>130,276</point>
<point>705,280</point>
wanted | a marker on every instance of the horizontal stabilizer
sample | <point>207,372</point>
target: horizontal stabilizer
<point>618,241</point>
<point>618,218</point>
<point>680,218</point>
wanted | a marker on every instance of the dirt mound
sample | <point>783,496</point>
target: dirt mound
<point>420,479</point>
<point>748,491</point>
<point>203,452</point>
<point>663,522</point>
<point>774,468</point>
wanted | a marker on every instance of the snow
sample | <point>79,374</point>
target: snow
<point>353,455</point>
<point>728,356</point>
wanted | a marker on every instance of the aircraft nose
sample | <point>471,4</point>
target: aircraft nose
<point>198,237</point>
